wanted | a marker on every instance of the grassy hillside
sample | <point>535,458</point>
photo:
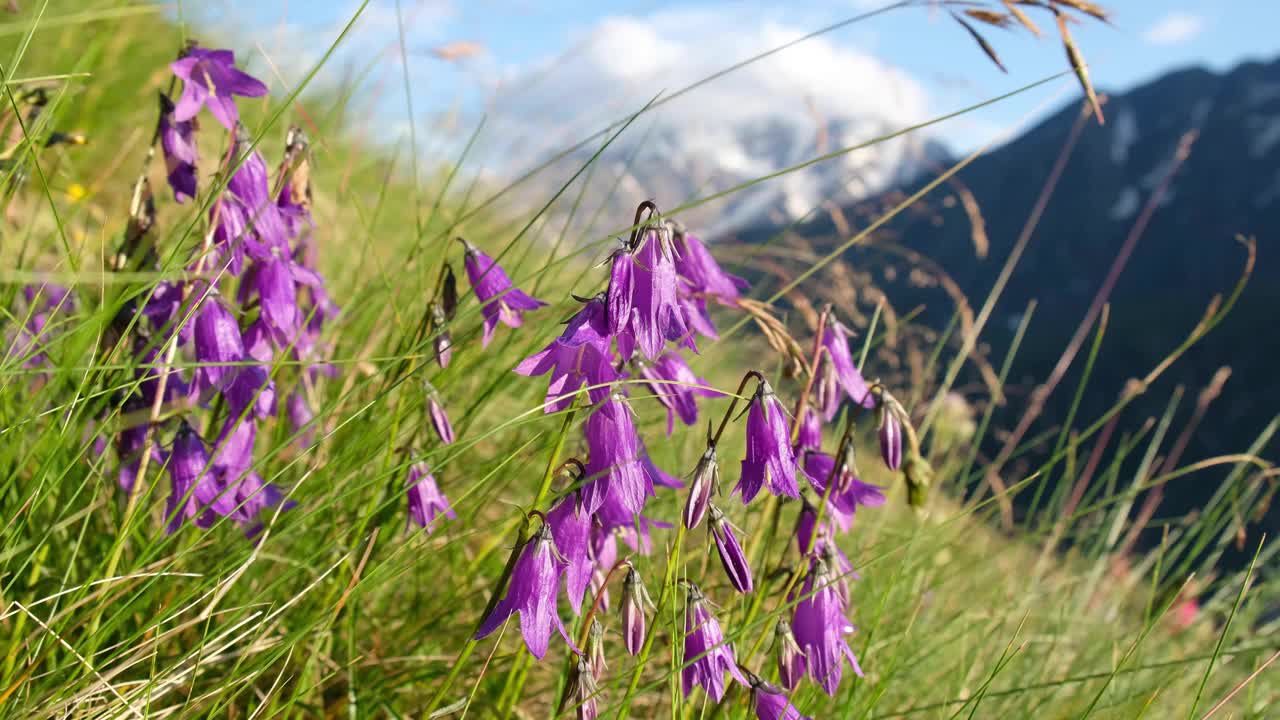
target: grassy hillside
<point>340,607</point>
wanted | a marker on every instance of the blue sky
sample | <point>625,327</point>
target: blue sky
<point>553,67</point>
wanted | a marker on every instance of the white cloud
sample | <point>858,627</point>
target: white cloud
<point>816,96</point>
<point>1174,28</point>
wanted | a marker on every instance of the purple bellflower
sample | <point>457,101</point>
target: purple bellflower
<point>771,704</point>
<point>216,339</point>
<point>177,142</point>
<point>426,502</point>
<point>734,560</point>
<point>701,278</point>
<point>210,78</point>
<point>676,386</point>
<point>614,462</point>
<point>707,656</point>
<point>644,310</point>
<point>579,356</point>
<point>571,529</point>
<point>848,492</point>
<point>769,461</point>
<point>821,628</point>
<point>840,370</point>
<point>532,591</point>
<point>502,301</point>
<point>810,435</point>
<point>191,484</point>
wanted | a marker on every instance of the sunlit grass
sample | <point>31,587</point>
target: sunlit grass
<point>338,609</point>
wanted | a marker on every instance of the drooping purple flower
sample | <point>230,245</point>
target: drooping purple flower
<point>216,339</point>
<point>129,443</point>
<point>706,481</point>
<point>769,461</point>
<point>734,560</point>
<point>177,142</point>
<point>634,601</point>
<point>192,485</point>
<point>571,529</point>
<point>579,356</point>
<point>254,497</point>
<point>278,294</point>
<point>891,440</point>
<point>501,300</point>
<point>821,628</point>
<point>532,591</point>
<point>810,435</point>
<point>835,343</point>
<point>774,705</point>
<point>439,418</point>
<point>300,416</point>
<point>210,78</point>
<point>613,464</point>
<point>791,664</point>
<point>707,656</point>
<point>676,386</point>
<point>644,307</point>
<point>426,502</point>
<point>701,273</point>
<point>848,492</point>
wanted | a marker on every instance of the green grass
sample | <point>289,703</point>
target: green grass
<point>339,611</point>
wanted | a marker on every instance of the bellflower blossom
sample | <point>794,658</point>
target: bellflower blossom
<point>848,492</point>
<point>580,355</point>
<point>810,435</point>
<point>426,502</point>
<point>891,440</point>
<point>532,591</point>
<point>177,143</point>
<point>614,460</point>
<point>571,529</point>
<point>217,339</point>
<point>706,655</point>
<point>769,461</point>
<point>821,628</point>
<point>705,482</point>
<point>702,278</point>
<point>773,705</point>
<point>676,386</point>
<point>192,485</point>
<point>732,558</point>
<point>644,310</point>
<point>840,370</point>
<point>501,300</point>
<point>210,79</point>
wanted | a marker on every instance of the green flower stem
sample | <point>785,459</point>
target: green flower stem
<point>668,588</point>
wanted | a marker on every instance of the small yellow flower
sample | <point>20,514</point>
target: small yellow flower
<point>76,192</point>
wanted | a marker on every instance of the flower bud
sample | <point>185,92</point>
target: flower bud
<point>706,480</point>
<point>890,438</point>
<point>443,343</point>
<point>634,598</point>
<point>449,293</point>
<point>439,418</point>
<point>585,691</point>
<point>791,662</point>
<point>594,657</point>
<point>731,555</point>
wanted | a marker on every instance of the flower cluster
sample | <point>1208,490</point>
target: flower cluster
<point>254,297</point>
<point>661,284</point>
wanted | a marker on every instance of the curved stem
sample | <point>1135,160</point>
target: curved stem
<point>714,440</point>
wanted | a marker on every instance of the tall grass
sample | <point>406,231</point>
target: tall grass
<point>341,607</point>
